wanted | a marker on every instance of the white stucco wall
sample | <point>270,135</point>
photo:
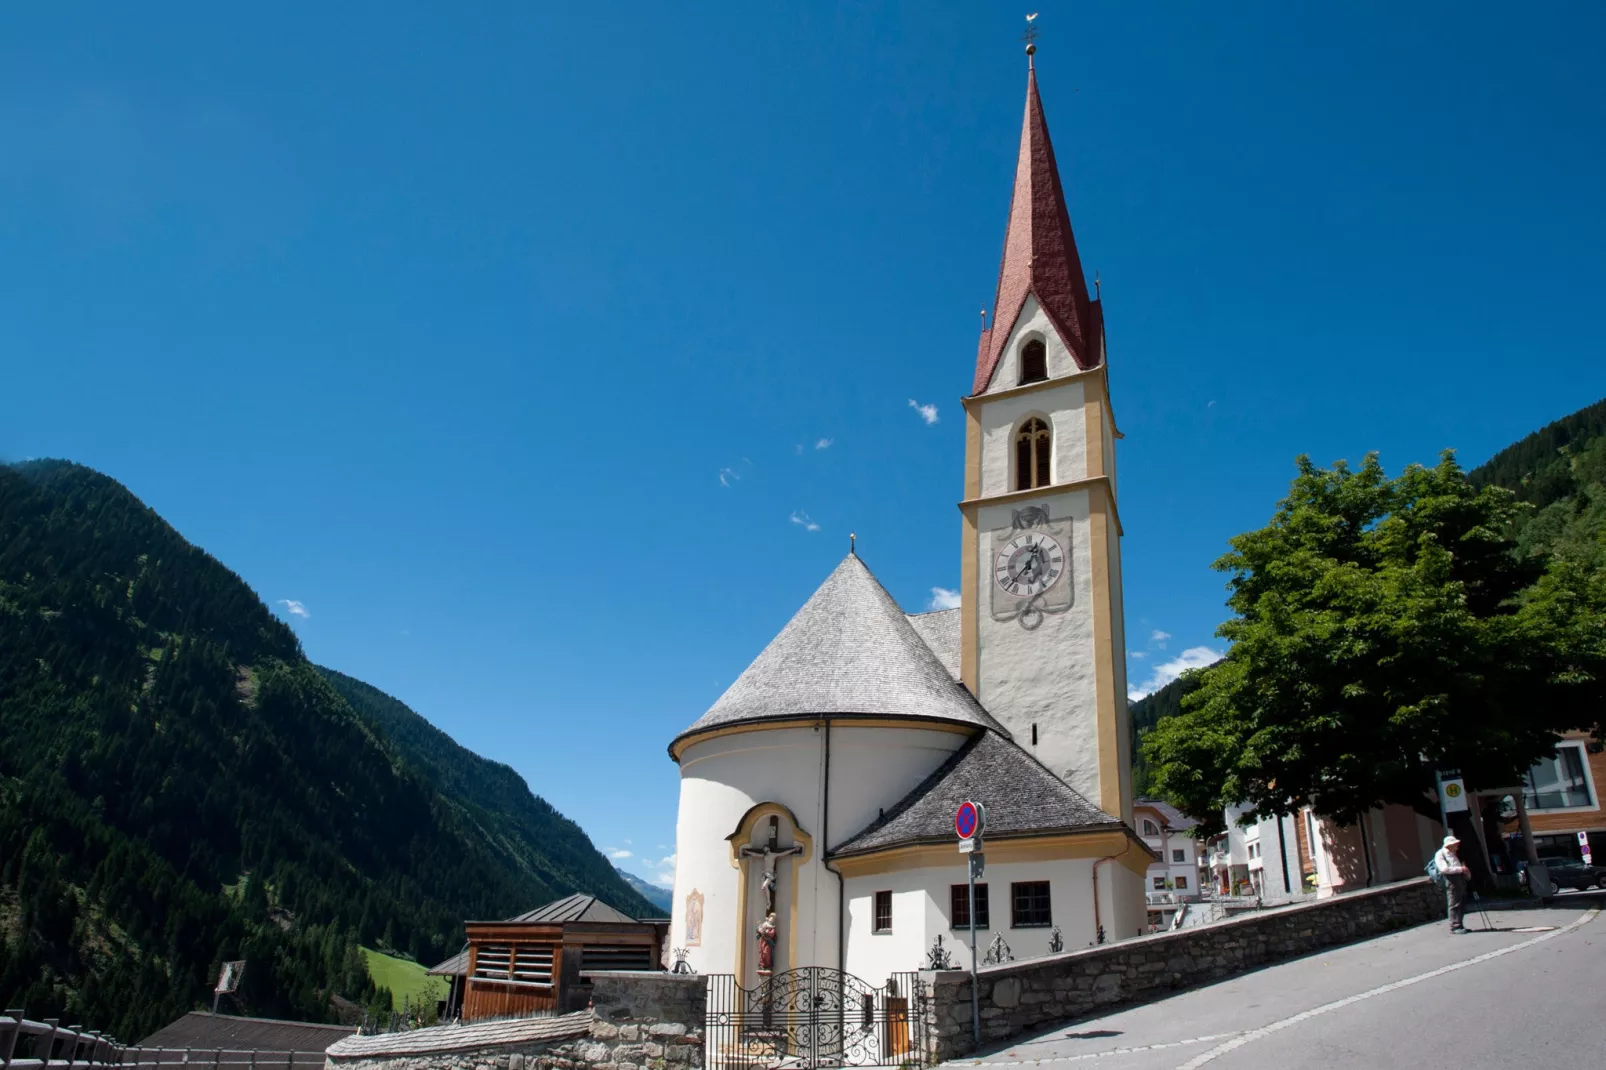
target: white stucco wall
<point>1060,407</point>
<point>723,777</point>
<point>920,911</point>
<point>1048,675</point>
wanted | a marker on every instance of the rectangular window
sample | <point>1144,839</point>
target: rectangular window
<point>883,912</point>
<point>1559,783</point>
<point>959,906</point>
<point>1030,903</point>
<point>1159,883</point>
<point>1178,855</point>
<point>1182,882</point>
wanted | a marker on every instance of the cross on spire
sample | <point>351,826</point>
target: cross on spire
<point>1030,37</point>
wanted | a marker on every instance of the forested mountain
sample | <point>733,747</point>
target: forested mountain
<point>1561,471</point>
<point>553,852</point>
<point>1145,713</point>
<point>180,786</point>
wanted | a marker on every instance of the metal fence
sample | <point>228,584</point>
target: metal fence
<point>46,1045</point>
<point>815,1017</point>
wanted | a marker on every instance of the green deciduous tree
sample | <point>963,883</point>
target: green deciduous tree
<point>1384,628</point>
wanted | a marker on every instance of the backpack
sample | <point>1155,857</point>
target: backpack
<point>1432,871</point>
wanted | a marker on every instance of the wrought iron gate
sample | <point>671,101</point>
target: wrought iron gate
<point>815,1017</point>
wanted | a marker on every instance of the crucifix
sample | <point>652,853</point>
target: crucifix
<point>771,853</point>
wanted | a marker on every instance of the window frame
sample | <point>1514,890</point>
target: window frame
<point>1179,855</point>
<point>1020,364</point>
<point>1531,797</point>
<point>876,917</point>
<point>959,907</point>
<point>1147,825</point>
<point>1015,901</point>
<point>1181,881</point>
<point>1033,448</point>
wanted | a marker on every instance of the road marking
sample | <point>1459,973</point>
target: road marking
<point>1105,1054</point>
<point>1255,1034</point>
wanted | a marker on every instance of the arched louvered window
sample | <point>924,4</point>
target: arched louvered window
<point>1033,361</point>
<point>1033,446</point>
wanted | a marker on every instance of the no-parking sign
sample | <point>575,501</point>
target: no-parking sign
<point>969,820</point>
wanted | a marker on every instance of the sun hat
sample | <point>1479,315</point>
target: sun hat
<point>1448,840</point>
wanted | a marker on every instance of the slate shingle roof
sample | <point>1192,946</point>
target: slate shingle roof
<point>1022,798</point>
<point>940,630</point>
<point>850,651</point>
<point>471,1036</point>
<point>198,1029</point>
<point>1174,818</point>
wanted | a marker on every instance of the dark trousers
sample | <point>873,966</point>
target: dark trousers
<point>1455,888</point>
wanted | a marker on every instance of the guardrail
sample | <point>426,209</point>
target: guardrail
<point>30,1045</point>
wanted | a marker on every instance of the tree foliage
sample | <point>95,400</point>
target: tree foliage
<point>179,786</point>
<point>1383,628</point>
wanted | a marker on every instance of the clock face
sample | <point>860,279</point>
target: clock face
<point>1029,564</point>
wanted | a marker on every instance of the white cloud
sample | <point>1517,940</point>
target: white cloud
<point>1195,657</point>
<point>1136,654</point>
<point>927,413</point>
<point>823,443</point>
<point>802,520</point>
<point>943,598</point>
<point>294,608</point>
<point>1158,638</point>
<point>664,871</point>
<point>727,476</point>
<point>617,853</point>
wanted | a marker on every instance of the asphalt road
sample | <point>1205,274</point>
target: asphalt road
<point>1412,999</point>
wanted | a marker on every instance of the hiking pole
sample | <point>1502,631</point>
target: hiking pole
<point>1477,901</point>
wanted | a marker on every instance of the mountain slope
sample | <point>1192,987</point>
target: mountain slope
<point>179,786</point>
<point>660,897</point>
<point>554,853</point>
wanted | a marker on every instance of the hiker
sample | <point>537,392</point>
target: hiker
<point>1455,874</point>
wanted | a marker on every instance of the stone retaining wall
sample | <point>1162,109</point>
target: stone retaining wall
<point>637,1021</point>
<point>1022,996</point>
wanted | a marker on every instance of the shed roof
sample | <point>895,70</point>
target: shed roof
<point>850,651</point>
<point>200,1029</point>
<point>1022,798</point>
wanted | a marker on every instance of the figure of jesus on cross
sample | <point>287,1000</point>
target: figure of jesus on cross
<point>771,853</point>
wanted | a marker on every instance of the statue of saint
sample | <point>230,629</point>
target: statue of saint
<point>766,945</point>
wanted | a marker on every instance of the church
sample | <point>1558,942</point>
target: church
<point>817,795</point>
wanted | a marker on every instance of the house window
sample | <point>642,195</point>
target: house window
<point>883,912</point>
<point>1181,882</point>
<point>1033,361</point>
<point>1030,908</point>
<point>1559,783</point>
<point>1149,828</point>
<point>1159,883</point>
<point>1032,450</point>
<point>959,906</point>
<point>1178,855</point>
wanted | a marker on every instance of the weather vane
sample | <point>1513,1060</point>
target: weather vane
<point>1030,36</point>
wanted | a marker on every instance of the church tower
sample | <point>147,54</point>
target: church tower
<point>1043,640</point>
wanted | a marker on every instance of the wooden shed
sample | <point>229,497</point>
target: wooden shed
<point>543,961</point>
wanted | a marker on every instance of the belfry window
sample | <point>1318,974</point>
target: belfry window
<point>1033,361</point>
<point>1032,451</point>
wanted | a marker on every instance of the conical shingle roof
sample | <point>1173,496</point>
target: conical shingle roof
<point>849,652</point>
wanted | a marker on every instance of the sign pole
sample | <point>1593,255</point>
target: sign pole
<point>975,994</point>
<point>969,821</point>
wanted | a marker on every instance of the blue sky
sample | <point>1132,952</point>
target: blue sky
<point>544,360</point>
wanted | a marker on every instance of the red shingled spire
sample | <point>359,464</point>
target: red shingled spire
<point>1039,254</point>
